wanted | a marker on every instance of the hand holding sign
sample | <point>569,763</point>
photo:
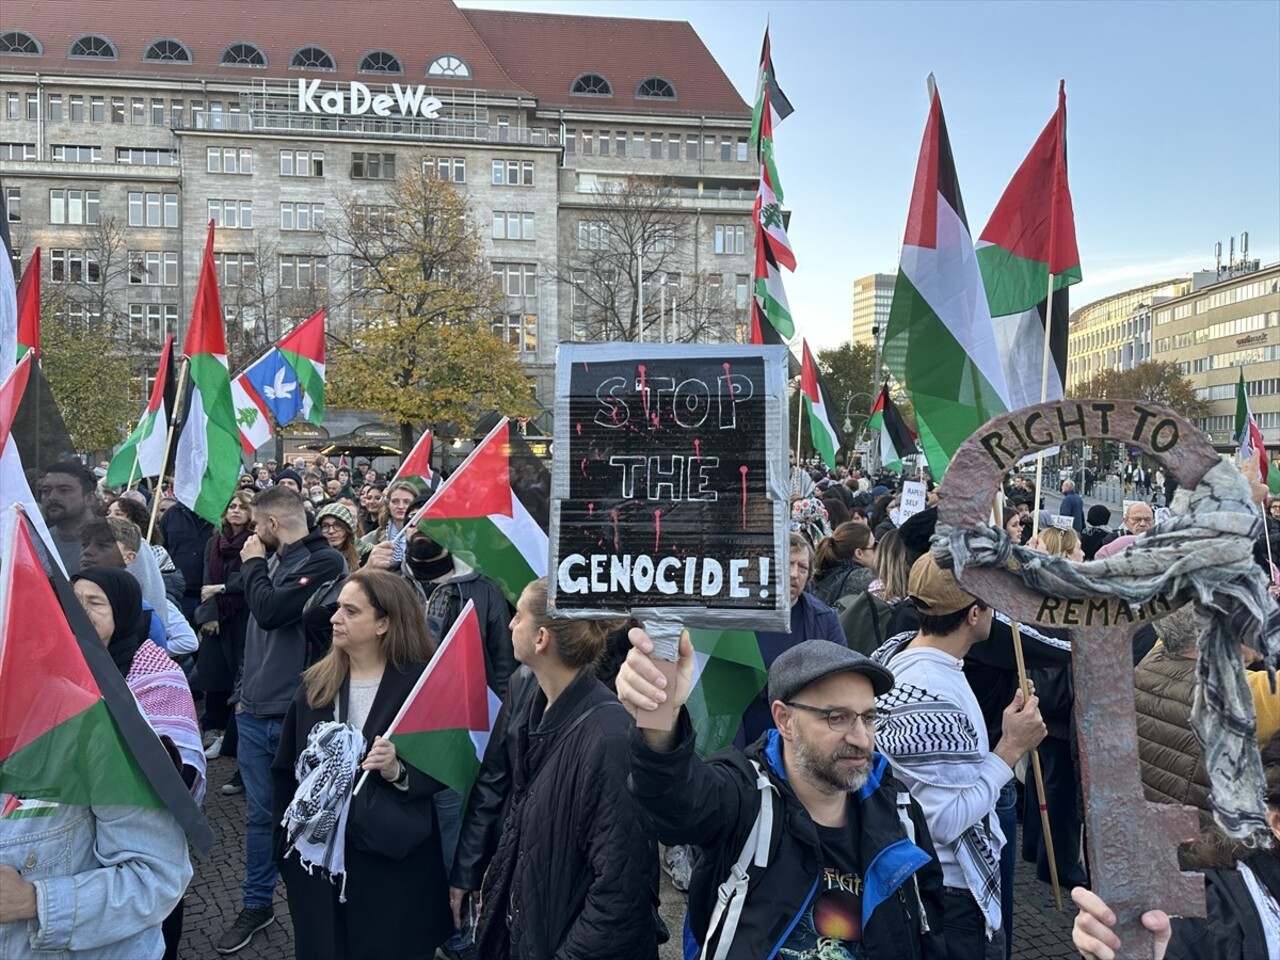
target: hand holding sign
<point>654,690</point>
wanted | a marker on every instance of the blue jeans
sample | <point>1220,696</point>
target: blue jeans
<point>259,738</point>
<point>1007,815</point>
<point>449,819</point>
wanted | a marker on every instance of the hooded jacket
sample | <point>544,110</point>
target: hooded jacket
<point>275,645</point>
<point>714,805</point>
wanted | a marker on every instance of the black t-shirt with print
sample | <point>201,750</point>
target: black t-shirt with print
<point>831,925</point>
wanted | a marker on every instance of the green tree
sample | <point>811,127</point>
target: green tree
<point>423,298</point>
<point>1152,382</point>
<point>91,380</point>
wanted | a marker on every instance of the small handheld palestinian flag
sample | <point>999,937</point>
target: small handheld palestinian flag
<point>417,466</point>
<point>444,725</point>
<point>70,730</point>
<point>826,436</point>
<point>142,454</point>
<point>896,439</point>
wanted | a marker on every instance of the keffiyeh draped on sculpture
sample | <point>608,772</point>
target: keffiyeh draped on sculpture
<point>1204,556</point>
<point>316,822</point>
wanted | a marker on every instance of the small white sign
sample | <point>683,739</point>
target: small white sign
<point>1062,523</point>
<point>913,499</point>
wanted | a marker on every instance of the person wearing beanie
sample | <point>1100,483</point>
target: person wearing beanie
<point>338,524</point>
<point>290,478</point>
<point>1097,533</point>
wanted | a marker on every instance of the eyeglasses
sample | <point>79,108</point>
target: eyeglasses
<point>842,721</point>
<point>324,527</point>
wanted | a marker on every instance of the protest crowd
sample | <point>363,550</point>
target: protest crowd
<point>867,807</point>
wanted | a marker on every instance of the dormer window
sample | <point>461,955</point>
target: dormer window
<point>243,55</point>
<point>93,47</point>
<point>448,66</point>
<point>655,88</point>
<point>312,58</point>
<point>591,85</point>
<point>167,51</point>
<point>380,61</point>
<point>20,43</point>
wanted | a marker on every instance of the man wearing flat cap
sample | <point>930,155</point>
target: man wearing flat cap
<point>809,847</point>
<point>936,742</point>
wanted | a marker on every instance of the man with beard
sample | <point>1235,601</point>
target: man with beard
<point>806,834</point>
<point>69,500</point>
<point>936,741</point>
<point>275,654</point>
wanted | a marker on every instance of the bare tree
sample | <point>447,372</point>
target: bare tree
<point>636,233</point>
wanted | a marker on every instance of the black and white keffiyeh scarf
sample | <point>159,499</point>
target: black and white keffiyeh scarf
<point>316,822</point>
<point>1204,556</point>
<point>934,741</point>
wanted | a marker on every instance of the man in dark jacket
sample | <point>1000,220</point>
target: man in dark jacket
<point>809,822</point>
<point>275,654</point>
<point>1072,505</point>
<point>186,536</point>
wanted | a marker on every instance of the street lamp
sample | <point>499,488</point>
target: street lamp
<point>848,423</point>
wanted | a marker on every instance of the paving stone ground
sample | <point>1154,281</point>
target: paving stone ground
<point>213,900</point>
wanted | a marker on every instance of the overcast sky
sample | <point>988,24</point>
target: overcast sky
<point>1173,123</point>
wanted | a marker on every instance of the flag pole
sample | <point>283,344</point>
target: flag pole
<point>157,494</point>
<point>132,470</point>
<point>799,416</point>
<point>1044,395</point>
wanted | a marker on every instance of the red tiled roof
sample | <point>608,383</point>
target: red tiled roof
<point>545,53</point>
<point>507,51</point>
<point>416,31</point>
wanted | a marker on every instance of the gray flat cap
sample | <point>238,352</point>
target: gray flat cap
<point>815,660</point>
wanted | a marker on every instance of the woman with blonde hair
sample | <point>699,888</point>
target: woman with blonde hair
<point>552,837</point>
<point>892,566</point>
<point>373,886</point>
<point>394,514</point>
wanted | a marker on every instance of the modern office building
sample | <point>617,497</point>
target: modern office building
<point>872,298</point>
<point>1114,333</point>
<point>1225,324</point>
<point>126,127</point>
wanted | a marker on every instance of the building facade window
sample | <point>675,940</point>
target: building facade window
<point>13,204</point>
<point>446,168</point>
<point>73,206</point>
<point>741,287</point>
<point>303,271</point>
<point>157,111</point>
<point>153,209</point>
<point>655,88</point>
<point>232,214</point>
<point>517,330</point>
<point>730,238</point>
<point>448,66</point>
<point>152,321</point>
<point>237,160</point>
<point>312,58</point>
<point>301,216</point>
<point>92,47</point>
<point>97,109</point>
<point>513,173</point>
<point>19,43</point>
<point>146,157</point>
<point>153,268</point>
<point>138,111</point>
<point>380,61</point>
<point>117,109</point>
<point>235,269</point>
<point>73,266</point>
<point>17,151</point>
<point>594,234</point>
<point>243,55</point>
<point>512,225</point>
<point>373,166</point>
<point>591,85</point>
<point>517,279</point>
<point>13,110</point>
<point>302,163</point>
<point>74,153</point>
<point>54,107</point>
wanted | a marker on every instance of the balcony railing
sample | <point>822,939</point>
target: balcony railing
<point>399,128</point>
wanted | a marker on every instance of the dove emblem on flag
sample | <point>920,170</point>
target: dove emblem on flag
<point>280,388</point>
<point>276,384</point>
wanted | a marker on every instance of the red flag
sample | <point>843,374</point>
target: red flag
<point>205,335</point>
<point>11,396</point>
<point>29,308</point>
<point>417,466</point>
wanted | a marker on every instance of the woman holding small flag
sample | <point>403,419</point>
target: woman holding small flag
<point>567,858</point>
<point>364,874</point>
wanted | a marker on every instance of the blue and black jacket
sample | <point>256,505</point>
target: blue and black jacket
<point>713,805</point>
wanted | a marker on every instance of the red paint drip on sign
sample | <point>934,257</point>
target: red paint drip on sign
<point>657,529</point>
<point>743,470</point>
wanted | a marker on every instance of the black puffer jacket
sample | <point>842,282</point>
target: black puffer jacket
<point>572,861</point>
<point>1230,928</point>
<point>714,805</point>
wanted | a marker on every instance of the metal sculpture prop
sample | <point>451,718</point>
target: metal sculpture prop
<point>1132,843</point>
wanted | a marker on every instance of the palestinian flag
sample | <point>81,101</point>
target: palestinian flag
<point>38,429</point>
<point>1249,436</point>
<point>493,511</point>
<point>827,438</point>
<point>768,213</point>
<point>1031,237</point>
<point>70,730</point>
<point>770,296</point>
<point>142,455</point>
<point>443,727</point>
<point>208,461</point>
<point>417,466</point>
<point>8,295</point>
<point>939,341</point>
<point>896,438</point>
<point>303,350</point>
<point>11,391</point>
<point>728,673</point>
<point>29,308</point>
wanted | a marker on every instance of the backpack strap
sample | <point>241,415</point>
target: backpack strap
<point>909,827</point>
<point>732,894</point>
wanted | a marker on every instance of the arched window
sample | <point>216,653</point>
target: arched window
<point>655,88</point>
<point>448,66</point>
<point>312,58</point>
<point>167,51</point>
<point>591,85</point>
<point>21,43</point>
<point>91,45</point>
<point>380,61</point>
<point>243,55</point>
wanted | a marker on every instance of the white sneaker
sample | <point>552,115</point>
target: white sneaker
<point>214,750</point>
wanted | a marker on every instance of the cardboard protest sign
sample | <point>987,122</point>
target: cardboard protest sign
<point>913,499</point>
<point>669,488</point>
<point>1061,522</point>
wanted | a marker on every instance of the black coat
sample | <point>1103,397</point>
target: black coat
<point>714,805</point>
<point>397,897</point>
<point>1230,928</point>
<point>571,859</point>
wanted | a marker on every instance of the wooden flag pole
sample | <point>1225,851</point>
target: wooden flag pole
<point>157,494</point>
<point>799,417</point>
<point>132,470</point>
<point>1025,686</point>
<point>1044,395</point>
